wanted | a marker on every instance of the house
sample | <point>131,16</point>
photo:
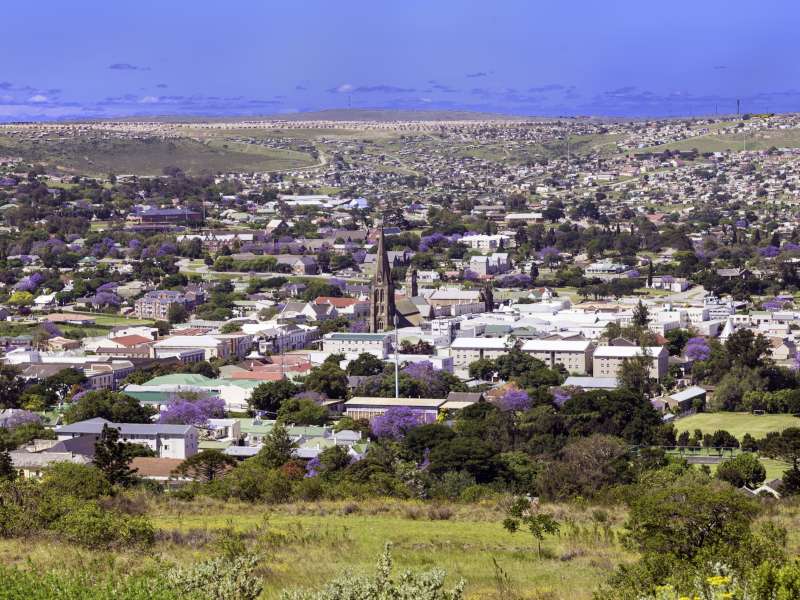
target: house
<point>574,355</point>
<point>32,465</point>
<point>607,360</point>
<point>167,441</point>
<point>684,400</point>
<point>362,407</point>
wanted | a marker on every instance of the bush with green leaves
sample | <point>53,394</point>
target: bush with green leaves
<point>427,585</point>
<point>90,526</point>
<point>222,578</point>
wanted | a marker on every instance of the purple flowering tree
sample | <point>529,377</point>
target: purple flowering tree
<point>549,255</point>
<point>103,299</point>
<point>183,411</point>
<point>769,251</point>
<point>561,395</point>
<point>470,275</point>
<point>396,422</point>
<point>697,348</point>
<point>514,400</point>
<point>29,283</point>
<point>51,329</point>
<point>21,417</point>
<point>312,467</point>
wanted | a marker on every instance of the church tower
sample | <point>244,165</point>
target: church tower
<point>381,296</point>
<point>412,289</point>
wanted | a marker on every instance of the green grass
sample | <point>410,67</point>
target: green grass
<point>307,544</point>
<point>736,423</point>
<point>94,155</point>
<point>761,140</point>
<point>114,320</point>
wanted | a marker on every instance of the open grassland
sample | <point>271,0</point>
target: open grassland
<point>736,423</point>
<point>148,156</point>
<point>307,544</point>
<point>762,140</point>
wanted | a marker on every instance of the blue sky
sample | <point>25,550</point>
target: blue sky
<point>103,58</point>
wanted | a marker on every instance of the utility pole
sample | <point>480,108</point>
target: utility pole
<point>396,362</point>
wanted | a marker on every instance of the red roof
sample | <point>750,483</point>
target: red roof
<point>131,340</point>
<point>259,375</point>
<point>336,301</point>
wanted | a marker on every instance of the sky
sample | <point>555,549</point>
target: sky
<point>103,58</point>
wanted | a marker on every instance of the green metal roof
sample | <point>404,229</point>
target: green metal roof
<point>182,379</point>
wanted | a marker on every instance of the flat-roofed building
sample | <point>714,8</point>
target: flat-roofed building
<point>607,360</point>
<point>574,355</point>
<point>342,343</point>
<point>466,350</point>
<point>362,407</point>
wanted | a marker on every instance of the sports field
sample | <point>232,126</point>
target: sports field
<point>736,423</point>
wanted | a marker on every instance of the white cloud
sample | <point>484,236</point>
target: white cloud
<point>38,98</point>
<point>344,88</point>
<point>150,100</point>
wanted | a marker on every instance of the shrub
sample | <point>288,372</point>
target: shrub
<point>220,578</point>
<point>82,481</point>
<point>420,586</point>
<point>90,526</point>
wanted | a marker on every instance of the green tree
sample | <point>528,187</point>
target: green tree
<point>302,411</point>
<point>7,470</point>
<point>742,470</point>
<point>641,316</point>
<point>365,365</point>
<point>278,448</point>
<point>112,458</point>
<point>634,374</point>
<point>702,514</point>
<point>177,313</point>
<point>112,406</point>
<point>206,466</point>
<point>522,514</point>
<point>328,379</point>
<point>747,349</point>
<point>269,396</point>
<point>11,386</point>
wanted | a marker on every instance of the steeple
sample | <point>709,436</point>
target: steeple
<point>412,289</point>
<point>382,310</point>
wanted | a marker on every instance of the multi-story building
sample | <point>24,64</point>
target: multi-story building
<point>574,355</point>
<point>373,343</point>
<point>156,304</point>
<point>607,360</point>
<point>167,441</point>
<point>466,350</point>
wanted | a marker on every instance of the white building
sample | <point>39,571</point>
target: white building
<point>341,343</point>
<point>167,441</point>
<point>607,360</point>
<point>466,350</point>
<point>574,355</point>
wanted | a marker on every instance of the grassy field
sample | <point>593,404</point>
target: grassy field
<point>148,156</point>
<point>763,140</point>
<point>736,423</point>
<point>305,545</point>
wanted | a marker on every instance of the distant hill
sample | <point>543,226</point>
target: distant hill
<point>386,114</point>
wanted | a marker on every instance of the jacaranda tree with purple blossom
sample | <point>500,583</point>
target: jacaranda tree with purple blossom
<point>697,348</point>
<point>514,400</point>
<point>189,411</point>
<point>396,422</point>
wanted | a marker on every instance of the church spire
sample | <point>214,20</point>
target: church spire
<point>382,309</point>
